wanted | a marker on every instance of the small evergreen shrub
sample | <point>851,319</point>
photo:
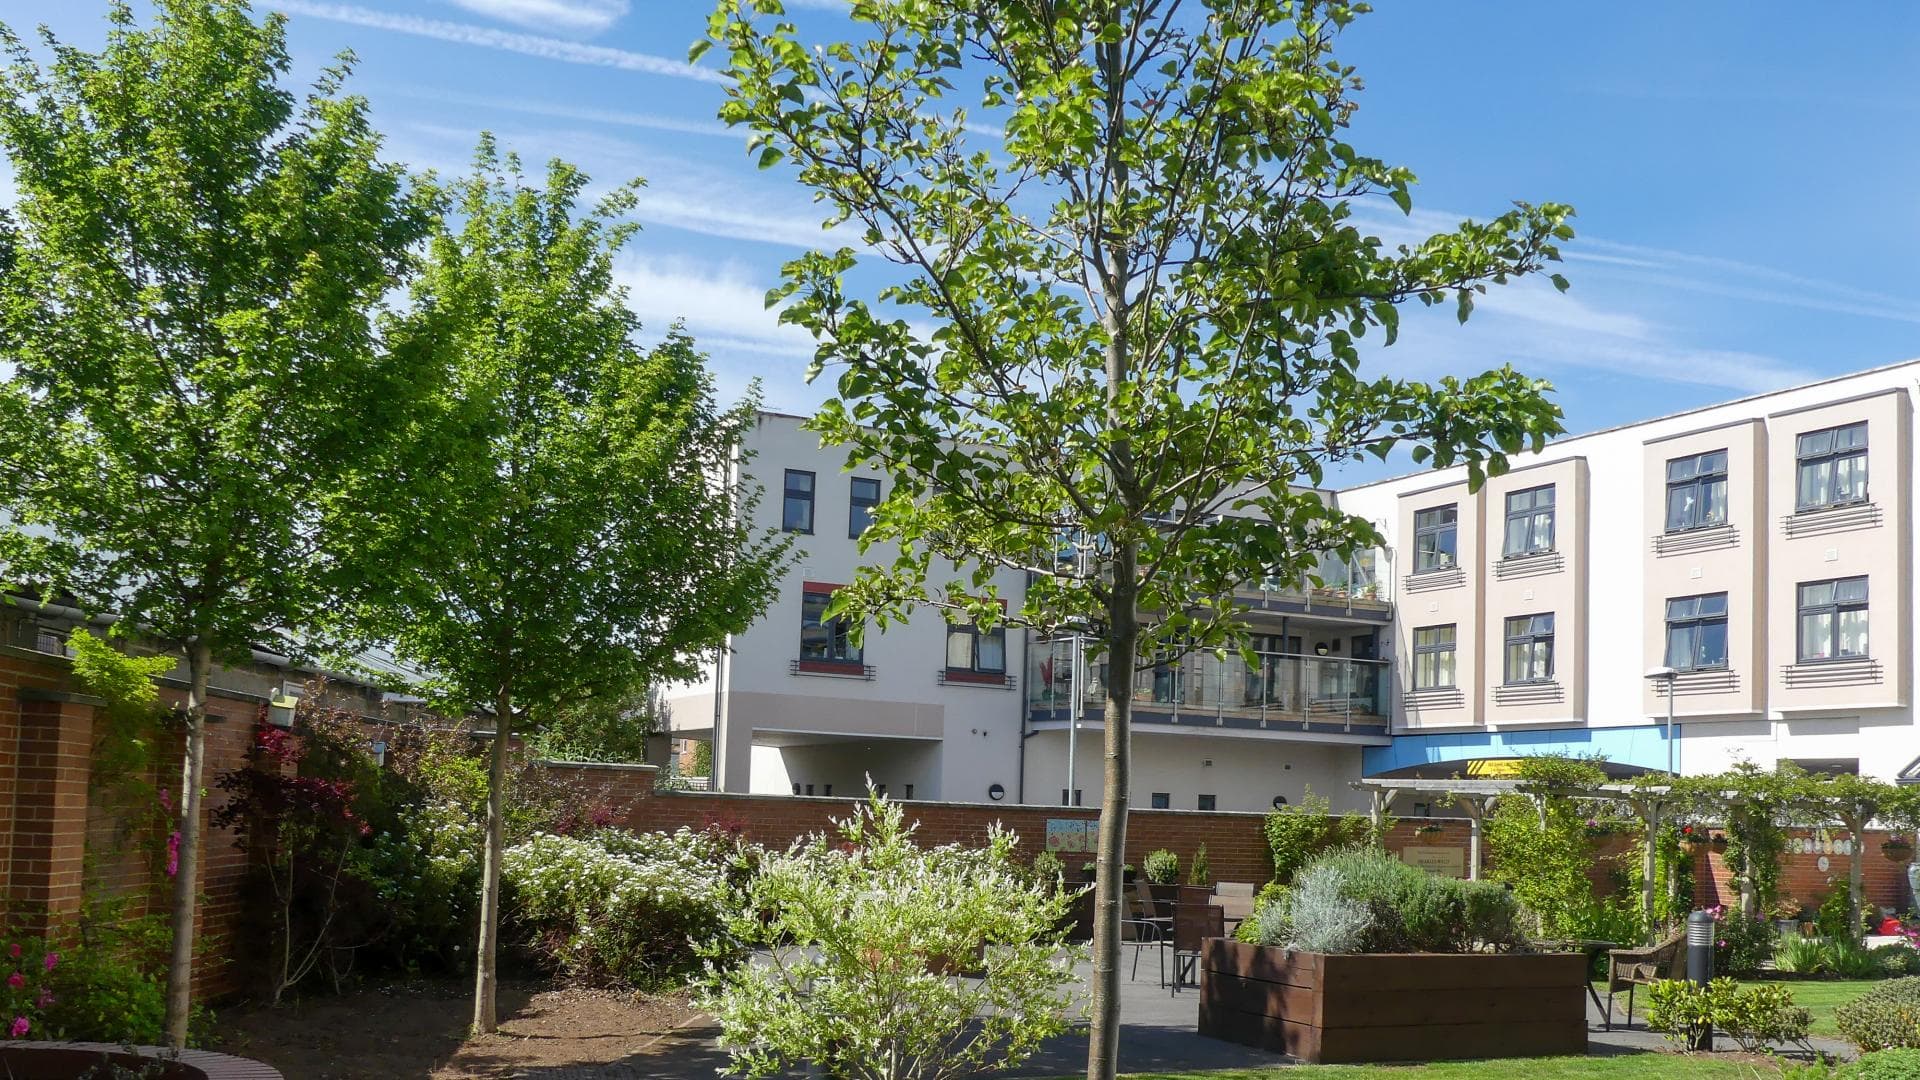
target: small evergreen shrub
<point>1755,1017</point>
<point>1887,1015</point>
<point>1200,872</point>
<point>1897,958</point>
<point>1162,867</point>
<point>1897,1064</point>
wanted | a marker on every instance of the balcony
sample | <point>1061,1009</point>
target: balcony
<point>1338,589</point>
<point>1281,692</point>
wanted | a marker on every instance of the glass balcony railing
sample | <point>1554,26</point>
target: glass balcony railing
<point>1351,585</point>
<point>1281,688</point>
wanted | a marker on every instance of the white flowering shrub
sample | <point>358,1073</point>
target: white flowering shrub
<point>620,908</point>
<point>884,961</point>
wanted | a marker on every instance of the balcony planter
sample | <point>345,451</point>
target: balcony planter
<point>1897,850</point>
<point>1323,1007</point>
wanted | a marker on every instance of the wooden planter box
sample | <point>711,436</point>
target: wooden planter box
<point>1323,1007</point>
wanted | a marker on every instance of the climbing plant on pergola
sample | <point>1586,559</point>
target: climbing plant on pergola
<point>1852,802</point>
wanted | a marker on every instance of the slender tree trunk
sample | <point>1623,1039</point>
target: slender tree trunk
<point>186,881</point>
<point>1103,1047</point>
<point>485,980</point>
<point>1856,872</point>
<point>1648,870</point>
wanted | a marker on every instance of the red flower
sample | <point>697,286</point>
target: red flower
<point>17,981</point>
<point>20,1027</point>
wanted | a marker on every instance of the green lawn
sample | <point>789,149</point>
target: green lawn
<point>1623,1067</point>
<point>1821,997</point>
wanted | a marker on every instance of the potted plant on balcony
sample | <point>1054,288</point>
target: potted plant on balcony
<point>1366,958</point>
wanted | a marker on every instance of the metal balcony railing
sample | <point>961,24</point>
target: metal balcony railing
<point>1281,687</point>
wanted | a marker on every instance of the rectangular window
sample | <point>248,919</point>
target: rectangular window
<point>1833,467</point>
<point>1697,491</point>
<point>1435,538</point>
<point>796,508</point>
<point>1162,800</point>
<point>822,638</point>
<point>1530,649</point>
<point>1433,657</point>
<point>971,649</point>
<point>1206,802</point>
<point>1529,521</point>
<point>1697,632</point>
<point>909,792</point>
<point>863,495</point>
<point>1063,797</point>
<point>1833,619</point>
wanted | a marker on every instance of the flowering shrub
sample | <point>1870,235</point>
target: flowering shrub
<point>621,908</point>
<point>889,960</point>
<point>1742,943</point>
<point>25,996</point>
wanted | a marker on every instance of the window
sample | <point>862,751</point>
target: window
<point>1833,619</point>
<point>796,509</point>
<point>970,648</point>
<point>1205,802</point>
<point>1433,657</point>
<point>829,790</point>
<point>1697,491</point>
<point>1063,797</point>
<point>863,495</point>
<point>1530,648</point>
<point>1162,800</point>
<point>1435,538</point>
<point>821,638</point>
<point>1833,467</point>
<point>1697,632</point>
<point>1529,521</point>
<point>909,792</point>
<point>809,789</point>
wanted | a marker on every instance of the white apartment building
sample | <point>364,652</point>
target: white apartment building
<point>1761,550</point>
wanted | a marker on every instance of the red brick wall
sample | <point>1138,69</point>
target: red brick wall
<point>59,841</point>
<point>1801,879</point>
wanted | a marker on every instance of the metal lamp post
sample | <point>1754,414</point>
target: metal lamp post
<point>1665,676</point>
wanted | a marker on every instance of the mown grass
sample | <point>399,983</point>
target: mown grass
<point>1648,1066</point>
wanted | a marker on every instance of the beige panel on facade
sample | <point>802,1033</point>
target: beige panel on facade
<point>1534,636</point>
<point>1840,632</point>
<point>1707,513</point>
<point>1439,596</point>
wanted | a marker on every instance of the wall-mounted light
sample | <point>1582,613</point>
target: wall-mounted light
<point>996,792</point>
<point>281,706</point>
<point>1320,649</point>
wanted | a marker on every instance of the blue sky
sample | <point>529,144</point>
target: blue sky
<point>1743,172</point>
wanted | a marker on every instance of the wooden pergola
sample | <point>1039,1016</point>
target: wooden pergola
<point>1476,798</point>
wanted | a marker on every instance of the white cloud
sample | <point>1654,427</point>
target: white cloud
<point>578,16</point>
<point>620,117</point>
<point>722,306</point>
<point>547,48</point>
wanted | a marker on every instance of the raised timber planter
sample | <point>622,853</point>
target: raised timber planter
<point>1333,1008</point>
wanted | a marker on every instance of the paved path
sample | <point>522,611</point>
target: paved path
<point>1157,1033</point>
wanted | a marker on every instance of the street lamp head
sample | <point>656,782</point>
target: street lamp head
<point>1661,673</point>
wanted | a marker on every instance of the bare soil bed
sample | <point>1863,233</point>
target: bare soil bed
<point>419,1030</point>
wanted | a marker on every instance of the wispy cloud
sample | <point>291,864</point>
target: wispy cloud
<point>720,304</point>
<point>546,48</point>
<point>619,117</point>
<point>579,16</point>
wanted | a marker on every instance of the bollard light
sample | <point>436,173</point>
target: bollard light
<point>1702,931</point>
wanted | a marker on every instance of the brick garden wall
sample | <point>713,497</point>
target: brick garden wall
<point>61,840</point>
<point>1801,879</point>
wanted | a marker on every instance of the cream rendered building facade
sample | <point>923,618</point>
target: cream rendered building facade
<point>1762,548</point>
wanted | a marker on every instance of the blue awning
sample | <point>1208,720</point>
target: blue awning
<point>1643,747</point>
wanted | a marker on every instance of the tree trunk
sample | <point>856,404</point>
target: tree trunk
<point>485,980</point>
<point>186,880</point>
<point>1856,872</point>
<point>1648,869</point>
<point>1103,1046</point>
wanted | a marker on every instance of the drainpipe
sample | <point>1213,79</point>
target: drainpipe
<point>1026,666</point>
<point>714,772</point>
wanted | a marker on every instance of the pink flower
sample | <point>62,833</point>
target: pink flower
<point>166,800</point>
<point>20,1027</point>
<point>52,960</point>
<point>17,981</point>
<point>44,1001</point>
<point>173,853</point>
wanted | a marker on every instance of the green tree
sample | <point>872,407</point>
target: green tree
<point>1537,842</point>
<point>1122,334</point>
<point>584,529</point>
<point>611,729</point>
<point>187,309</point>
